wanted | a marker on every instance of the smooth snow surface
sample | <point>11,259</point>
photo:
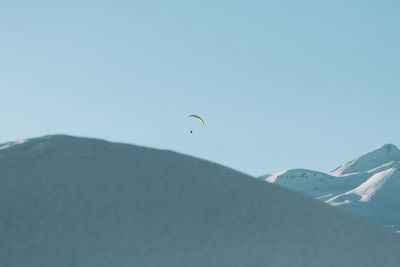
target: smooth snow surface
<point>368,186</point>
<point>71,202</point>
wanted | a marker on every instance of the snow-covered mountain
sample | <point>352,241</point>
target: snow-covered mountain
<point>71,202</point>
<point>368,185</point>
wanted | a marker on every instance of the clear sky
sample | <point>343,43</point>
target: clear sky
<point>280,84</point>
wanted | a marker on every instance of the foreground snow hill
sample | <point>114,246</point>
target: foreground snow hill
<point>368,185</point>
<point>67,201</point>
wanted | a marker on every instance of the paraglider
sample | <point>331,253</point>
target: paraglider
<point>196,117</point>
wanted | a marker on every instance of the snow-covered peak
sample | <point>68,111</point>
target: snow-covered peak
<point>368,185</point>
<point>381,156</point>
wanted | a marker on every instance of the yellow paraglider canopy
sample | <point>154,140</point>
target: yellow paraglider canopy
<point>197,117</point>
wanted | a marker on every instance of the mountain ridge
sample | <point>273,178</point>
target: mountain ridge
<point>69,201</point>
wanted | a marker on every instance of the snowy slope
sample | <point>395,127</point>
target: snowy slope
<point>313,183</point>
<point>71,202</point>
<point>368,185</point>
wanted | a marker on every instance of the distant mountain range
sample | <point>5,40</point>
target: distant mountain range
<point>68,201</point>
<point>368,185</point>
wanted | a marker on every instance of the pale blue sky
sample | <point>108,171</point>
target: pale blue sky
<point>281,84</point>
